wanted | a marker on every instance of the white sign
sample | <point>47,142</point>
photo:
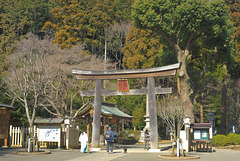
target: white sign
<point>184,141</point>
<point>210,132</point>
<point>204,134</point>
<point>49,133</point>
<point>197,134</point>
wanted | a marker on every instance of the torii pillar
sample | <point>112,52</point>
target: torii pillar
<point>97,114</point>
<point>152,113</point>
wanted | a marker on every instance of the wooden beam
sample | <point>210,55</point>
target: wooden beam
<point>143,91</point>
<point>168,70</point>
<point>126,76</point>
<point>127,71</point>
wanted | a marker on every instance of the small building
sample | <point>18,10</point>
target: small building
<point>49,131</point>
<point>4,122</point>
<point>110,115</point>
<point>201,137</point>
<point>56,132</point>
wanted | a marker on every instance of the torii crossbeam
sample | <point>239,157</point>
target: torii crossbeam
<point>151,91</point>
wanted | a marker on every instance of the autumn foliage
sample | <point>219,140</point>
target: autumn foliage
<point>81,21</point>
<point>234,7</point>
<point>142,49</point>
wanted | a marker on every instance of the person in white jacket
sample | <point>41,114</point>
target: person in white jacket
<point>83,139</point>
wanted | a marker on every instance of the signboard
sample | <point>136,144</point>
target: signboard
<point>49,133</point>
<point>201,134</point>
<point>123,85</point>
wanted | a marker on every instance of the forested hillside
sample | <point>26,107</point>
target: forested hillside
<point>41,40</point>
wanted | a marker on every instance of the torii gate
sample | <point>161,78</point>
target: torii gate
<point>148,73</point>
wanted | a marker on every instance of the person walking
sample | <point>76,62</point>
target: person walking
<point>109,136</point>
<point>146,140</point>
<point>83,139</point>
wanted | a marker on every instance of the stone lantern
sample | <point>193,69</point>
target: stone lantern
<point>210,118</point>
<point>186,121</point>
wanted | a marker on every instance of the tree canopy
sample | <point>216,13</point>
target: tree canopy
<point>181,24</point>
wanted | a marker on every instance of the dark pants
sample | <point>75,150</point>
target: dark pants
<point>110,143</point>
<point>146,145</point>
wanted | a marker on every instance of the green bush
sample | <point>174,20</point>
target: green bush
<point>233,139</point>
<point>223,140</point>
<point>220,140</point>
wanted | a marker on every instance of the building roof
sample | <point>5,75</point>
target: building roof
<point>201,125</point>
<point>7,106</point>
<point>106,109</point>
<point>48,121</point>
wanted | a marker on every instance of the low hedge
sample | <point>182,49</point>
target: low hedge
<point>220,140</point>
<point>223,140</point>
<point>233,139</point>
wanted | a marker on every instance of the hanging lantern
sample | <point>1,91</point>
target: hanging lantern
<point>123,85</point>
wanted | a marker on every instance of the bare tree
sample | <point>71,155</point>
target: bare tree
<point>28,74</point>
<point>61,91</point>
<point>171,110</point>
<point>63,88</point>
<point>116,37</point>
<point>40,76</point>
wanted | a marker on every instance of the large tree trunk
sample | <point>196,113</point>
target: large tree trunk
<point>185,88</point>
<point>224,103</point>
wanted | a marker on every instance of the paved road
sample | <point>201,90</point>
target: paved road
<point>134,154</point>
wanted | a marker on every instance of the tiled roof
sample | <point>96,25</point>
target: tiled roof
<point>7,106</point>
<point>108,109</point>
<point>48,121</point>
<point>113,110</point>
<point>201,125</point>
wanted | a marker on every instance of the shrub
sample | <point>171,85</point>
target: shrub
<point>220,140</point>
<point>134,133</point>
<point>233,139</point>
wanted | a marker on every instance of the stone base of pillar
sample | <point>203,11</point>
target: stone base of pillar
<point>154,150</point>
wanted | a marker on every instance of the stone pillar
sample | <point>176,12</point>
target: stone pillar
<point>97,114</point>
<point>187,122</point>
<point>152,113</point>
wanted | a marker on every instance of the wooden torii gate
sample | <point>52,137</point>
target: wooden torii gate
<point>148,73</point>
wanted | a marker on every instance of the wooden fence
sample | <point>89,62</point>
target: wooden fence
<point>201,146</point>
<point>18,135</point>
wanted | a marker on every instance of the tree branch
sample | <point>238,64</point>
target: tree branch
<point>76,113</point>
